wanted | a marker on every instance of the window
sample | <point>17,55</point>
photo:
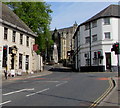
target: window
<point>106,21</point>
<point>20,61</point>
<point>107,35</point>
<point>87,39</point>
<point>5,33</point>
<point>21,39</point>
<point>27,41</point>
<point>87,26</point>
<point>27,62</point>
<point>14,35</point>
<point>94,38</point>
<point>94,24</point>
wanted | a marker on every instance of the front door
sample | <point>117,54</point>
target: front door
<point>108,61</point>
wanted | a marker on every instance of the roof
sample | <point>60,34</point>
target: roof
<point>10,17</point>
<point>110,11</point>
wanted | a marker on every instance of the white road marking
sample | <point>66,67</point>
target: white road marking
<point>61,83</point>
<point>37,92</point>
<point>17,91</point>
<point>5,102</point>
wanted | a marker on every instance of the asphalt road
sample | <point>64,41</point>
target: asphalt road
<point>57,89</point>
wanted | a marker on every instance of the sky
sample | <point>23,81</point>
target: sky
<point>66,13</point>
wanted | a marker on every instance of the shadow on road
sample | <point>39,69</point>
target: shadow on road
<point>82,102</point>
<point>63,69</point>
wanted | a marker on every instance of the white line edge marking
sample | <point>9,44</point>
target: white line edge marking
<point>37,92</point>
<point>61,83</point>
<point>17,91</point>
<point>5,102</point>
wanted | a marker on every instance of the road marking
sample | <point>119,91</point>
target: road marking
<point>17,91</point>
<point>5,102</point>
<point>61,83</point>
<point>40,75</point>
<point>103,95</point>
<point>37,92</point>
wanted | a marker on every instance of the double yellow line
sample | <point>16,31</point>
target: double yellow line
<point>95,103</point>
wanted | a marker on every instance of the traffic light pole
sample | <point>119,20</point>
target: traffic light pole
<point>118,58</point>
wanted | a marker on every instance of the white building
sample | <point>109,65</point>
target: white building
<point>98,33</point>
<point>18,39</point>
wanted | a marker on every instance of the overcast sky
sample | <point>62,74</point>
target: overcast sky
<point>66,13</point>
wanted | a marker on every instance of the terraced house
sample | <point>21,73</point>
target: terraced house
<point>94,39</point>
<point>16,44</point>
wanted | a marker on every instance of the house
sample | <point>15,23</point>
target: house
<point>94,39</point>
<point>16,44</point>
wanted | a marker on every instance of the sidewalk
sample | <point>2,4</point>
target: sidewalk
<point>113,98</point>
<point>26,76</point>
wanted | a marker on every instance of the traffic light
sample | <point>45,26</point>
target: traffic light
<point>100,56</point>
<point>116,48</point>
<point>5,48</point>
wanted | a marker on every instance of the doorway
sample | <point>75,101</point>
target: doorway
<point>12,61</point>
<point>108,61</point>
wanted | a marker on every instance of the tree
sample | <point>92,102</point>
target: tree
<point>37,16</point>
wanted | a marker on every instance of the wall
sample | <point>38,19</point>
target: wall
<point>102,44</point>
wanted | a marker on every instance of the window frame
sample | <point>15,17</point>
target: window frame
<point>107,33</point>
<point>27,41</point>
<point>14,36</point>
<point>87,26</point>
<point>5,33</point>
<point>86,39</point>
<point>94,39</point>
<point>94,24</point>
<point>21,39</point>
<point>106,21</point>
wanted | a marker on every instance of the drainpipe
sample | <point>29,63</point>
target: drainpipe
<point>77,51</point>
<point>90,44</point>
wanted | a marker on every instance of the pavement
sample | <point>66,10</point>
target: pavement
<point>26,76</point>
<point>112,99</point>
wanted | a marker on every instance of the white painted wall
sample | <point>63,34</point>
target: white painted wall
<point>23,49</point>
<point>102,44</point>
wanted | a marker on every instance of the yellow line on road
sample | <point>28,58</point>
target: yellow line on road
<point>103,95</point>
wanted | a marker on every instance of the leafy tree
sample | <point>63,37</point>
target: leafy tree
<point>37,16</point>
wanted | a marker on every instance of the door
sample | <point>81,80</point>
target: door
<point>108,61</point>
<point>12,61</point>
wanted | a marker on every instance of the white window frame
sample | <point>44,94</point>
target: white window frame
<point>106,21</point>
<point>106,33</point>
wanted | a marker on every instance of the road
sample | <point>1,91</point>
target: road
<point>61,88</point>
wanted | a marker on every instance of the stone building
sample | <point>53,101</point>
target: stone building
<point>16,44</point>
<point>64,41</point>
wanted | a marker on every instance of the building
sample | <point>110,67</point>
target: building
<point>96,36</point>
<point>63,38</point>
<point>16,44</point>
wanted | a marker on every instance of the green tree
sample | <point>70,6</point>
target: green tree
<point>37,16</point>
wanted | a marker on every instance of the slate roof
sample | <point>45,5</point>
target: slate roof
<point>110,11</point>
<point>9,16</point>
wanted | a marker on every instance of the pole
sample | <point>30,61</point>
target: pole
<point>90,42</point>
<point>118,58</point>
